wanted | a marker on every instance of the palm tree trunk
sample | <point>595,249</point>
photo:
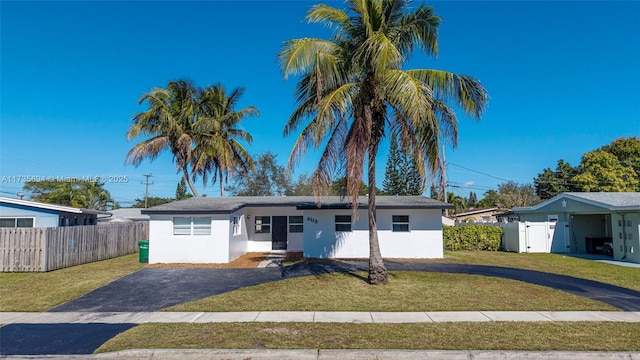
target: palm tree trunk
<point>188,180</point>
<point>377,270</point>
<point>221,184</point>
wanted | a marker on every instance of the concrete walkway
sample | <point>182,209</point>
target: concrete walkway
<point>331,354</point>
<point>312,317</point>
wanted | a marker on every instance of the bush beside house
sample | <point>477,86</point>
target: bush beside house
<point>472,237</point>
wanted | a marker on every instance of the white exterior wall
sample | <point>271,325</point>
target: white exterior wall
<point>238,244</point>
<point>164,247</point>
<point>262,242</point>
<point>626,239</point>
<point>424,240</point>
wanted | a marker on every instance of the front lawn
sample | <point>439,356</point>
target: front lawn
<point>42,291</point>
<point>569,336</point>
<point>627,277</point>
<point>406,291</point>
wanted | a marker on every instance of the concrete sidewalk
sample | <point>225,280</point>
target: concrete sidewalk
<point>311,316</point>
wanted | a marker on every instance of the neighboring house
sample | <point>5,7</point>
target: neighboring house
<point>486,215</point>
<point>218,230</point>
<point>124,215</point>
<point>579,223</point>
<point>25,213</point>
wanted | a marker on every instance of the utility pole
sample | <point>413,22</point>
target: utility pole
<point>443,179</point>
<point>146,184</point>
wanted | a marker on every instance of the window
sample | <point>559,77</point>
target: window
<point>201,226</point>
<point>236,225</point>
<point>400,223</point>
<point>295,224</point>
<point>16,222</point>
<point>343,222</point>
<point>191,226</point>
<point>263,224</point>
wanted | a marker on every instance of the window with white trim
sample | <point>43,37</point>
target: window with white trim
<point>16,222</point>
<point>343,223</point>
<point>236,225</point>
<point>296,224</point>
<point>263,224</point>
<point>400,223</point>
<point>191,225</point>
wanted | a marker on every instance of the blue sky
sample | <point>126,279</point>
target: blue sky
<point>563,78</point>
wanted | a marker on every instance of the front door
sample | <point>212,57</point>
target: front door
<point>279,233</point>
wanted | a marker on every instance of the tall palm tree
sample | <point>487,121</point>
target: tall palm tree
<point>353,91</point>
<point>169,121</point>
<point>218,148</point>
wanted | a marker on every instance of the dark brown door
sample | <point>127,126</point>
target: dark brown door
<point>279,233</point>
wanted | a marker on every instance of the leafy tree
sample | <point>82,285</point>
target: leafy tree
<point>491,199</point>
<point>459,202</point>
<point>627,150</point>
<point>152,201</point>
<point>218,148</point>
<point>613,167</point>
<point>402,175</point>
<point>266,179</point>
<point>512,194</point>
<point>415,182</point>
<point>600,170</point>
<point>80,194</point>
<point>472,201</point>
<point>169,122</point>
<point>339,188</point>
<point>434,193</point>
<point>551,183</point>
<point>181,190</point>
<point>394,182</point>
<point>353,85</point>
<point>302,187</point>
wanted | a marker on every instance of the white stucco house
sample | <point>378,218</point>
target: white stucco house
<point>219,230</point>
<point>578,223</point>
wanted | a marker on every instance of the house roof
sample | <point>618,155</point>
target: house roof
<point>230,204</point>
<point>475,211</point>
<point>614,201</point>
<point>44,206</point>
<point>126,214</point>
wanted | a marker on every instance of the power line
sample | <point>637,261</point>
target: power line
<point>479,172</point>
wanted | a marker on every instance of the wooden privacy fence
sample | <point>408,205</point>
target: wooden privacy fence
<point>46,249</point>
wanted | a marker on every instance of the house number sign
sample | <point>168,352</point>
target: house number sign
<point>310,219</point>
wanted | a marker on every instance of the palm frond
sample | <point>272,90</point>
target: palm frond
<point>465,91</point>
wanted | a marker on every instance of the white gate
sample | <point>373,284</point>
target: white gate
<point>536,237</point>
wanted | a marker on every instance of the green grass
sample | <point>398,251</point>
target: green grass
<point>627,277</point>
<point>42,291</point>
<point>406,291</point>
<point>570,336</point>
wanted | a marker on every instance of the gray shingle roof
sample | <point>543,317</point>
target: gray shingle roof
<point>612,199</point>
<point>233,203</point>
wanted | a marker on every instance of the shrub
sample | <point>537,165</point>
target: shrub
<point>472,237</point>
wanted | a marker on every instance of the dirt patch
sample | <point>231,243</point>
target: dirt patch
<point>293,256</point>
<point>246,261</point>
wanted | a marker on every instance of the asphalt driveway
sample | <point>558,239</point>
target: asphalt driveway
<point>152,289</point>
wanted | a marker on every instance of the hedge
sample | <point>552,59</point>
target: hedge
<point>472,237</point>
